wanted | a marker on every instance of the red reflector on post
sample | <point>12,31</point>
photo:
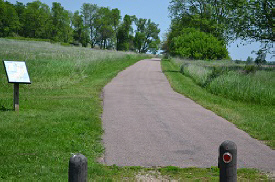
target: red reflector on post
<point>227,157</point>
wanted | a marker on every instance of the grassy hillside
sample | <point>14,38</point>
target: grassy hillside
<point>60,114</point>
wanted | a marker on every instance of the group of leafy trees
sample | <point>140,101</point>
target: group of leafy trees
<point>92,25</point>
<point>35,20</point>
<point>214,23</point>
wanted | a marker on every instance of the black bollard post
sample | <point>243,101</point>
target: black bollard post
<point>228,161</point>
<point>78,168</point>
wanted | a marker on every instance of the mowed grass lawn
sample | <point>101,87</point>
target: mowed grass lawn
<point>60,114</point>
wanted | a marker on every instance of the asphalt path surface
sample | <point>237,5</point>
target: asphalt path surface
<point>147,124</point>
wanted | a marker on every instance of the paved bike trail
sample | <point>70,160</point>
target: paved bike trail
<point>147,124</point>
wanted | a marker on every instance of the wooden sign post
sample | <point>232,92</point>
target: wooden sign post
<point>16,96</point>
<point>16,73</point>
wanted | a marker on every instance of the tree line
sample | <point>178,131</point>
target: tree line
<point>91,26</point>
<point>207,26</point>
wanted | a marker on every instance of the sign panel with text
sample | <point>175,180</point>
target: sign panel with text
<point>17,72</point>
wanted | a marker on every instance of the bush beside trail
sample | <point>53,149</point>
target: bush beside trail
<point>195,44</point>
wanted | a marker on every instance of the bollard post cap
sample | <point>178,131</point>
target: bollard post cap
<point>228,146</point>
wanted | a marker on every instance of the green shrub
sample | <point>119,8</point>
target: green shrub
<point>194,44</point>
<point>250,69</point>
<point>65,44</point>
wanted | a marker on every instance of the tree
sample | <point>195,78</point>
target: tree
<point>146,37</point>
<point>77,22</point>
<point>35,16</point>
<point>20,9</point>
<point>154,46</point>
<point>261,55</point>
<point>9,21</point>
<point>207,16</point>
<point>226,19</point>
<point>115,15</point>
<point>194,44</point>
<point>140,36</point>
<point>254,21</point>
<point>81,33</point>
<point>46,22</point>
<point>89,12</point>
<point>61,30</point>
<point>124,33</point>
<point>249,60</point>
<point>103,24</point>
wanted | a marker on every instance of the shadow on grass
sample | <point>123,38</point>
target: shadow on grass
<point>170,71</point>
<point>3,109</point>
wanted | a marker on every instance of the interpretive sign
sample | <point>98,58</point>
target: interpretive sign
<point>17,72</point>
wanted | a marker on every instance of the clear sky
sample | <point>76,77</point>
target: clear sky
<point>156,10</point>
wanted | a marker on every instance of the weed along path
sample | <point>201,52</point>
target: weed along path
<point>147,124</point>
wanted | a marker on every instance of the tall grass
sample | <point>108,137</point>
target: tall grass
<point>199,74</point>
<point>52,65</point>
<point>254,88</point>
<point>33,50</point>
<point>208,63</point>
<point>236,82</point>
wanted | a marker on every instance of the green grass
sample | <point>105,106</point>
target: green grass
<point>256,119</point>
<point>208,174</point>
<point>258,88</point>
<point>199,74</point>
<point>60,114</point>
<point>234,81</point>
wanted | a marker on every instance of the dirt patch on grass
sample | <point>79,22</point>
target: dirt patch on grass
<point>153,176</point>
